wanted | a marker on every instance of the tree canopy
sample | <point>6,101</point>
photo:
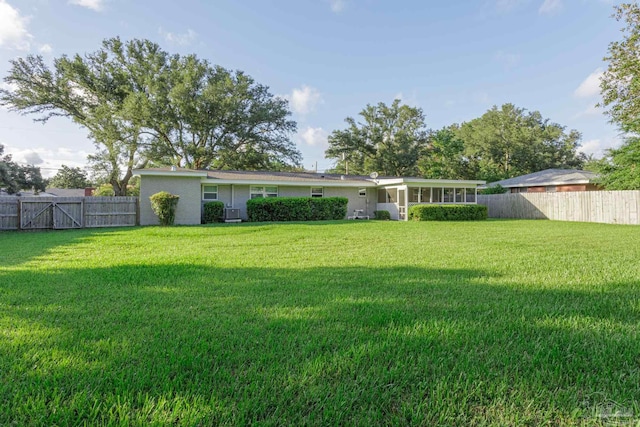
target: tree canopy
<point>14,177</point>
<point>141,104</point>
<point>509,141</point>
<point>68,177</point>
<point>388,140</point>
<point>620,88</point>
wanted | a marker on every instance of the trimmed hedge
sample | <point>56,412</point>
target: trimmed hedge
<point>164,205</point>
<point>296,208</point>
<point>447,212</point>
<point>382,214</point>
<point>213,212</point>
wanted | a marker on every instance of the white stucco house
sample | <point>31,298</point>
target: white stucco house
<point>366,194</point>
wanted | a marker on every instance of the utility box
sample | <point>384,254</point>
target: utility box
<point>232,215</point>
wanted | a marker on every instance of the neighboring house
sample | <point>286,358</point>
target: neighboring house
<point>70,192</point>
<point>234,188</point>
<point>550,180</point>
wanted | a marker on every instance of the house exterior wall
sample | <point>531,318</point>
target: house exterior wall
<point>189,190</point>
<point>242,195</point>
<point>355,201</point>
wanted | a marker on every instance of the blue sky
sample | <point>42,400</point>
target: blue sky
<point>454,59</point>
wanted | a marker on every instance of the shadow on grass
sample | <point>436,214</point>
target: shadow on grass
<point>18,247</point>
<point>188,344</point>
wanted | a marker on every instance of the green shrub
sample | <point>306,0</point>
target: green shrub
<point>105,190</point>
<point>496,189</point>
<point>164,205</point>
<point>383,215</point>
<point>447,212</point>
<point>213,212</point>
<point>296,209</point>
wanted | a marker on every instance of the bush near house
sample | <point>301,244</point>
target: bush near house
<point>382,215</point>
<point>213,212</point>
<point>297,209</point>
<point>164,205</point>
<point>447,212</point>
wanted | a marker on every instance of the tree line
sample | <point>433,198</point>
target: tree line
<point>145,107</point>
<point>504,142</point>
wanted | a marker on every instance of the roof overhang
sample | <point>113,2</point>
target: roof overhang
<point>429,182</point>
<point>315,183</point>
<point>183,173</point>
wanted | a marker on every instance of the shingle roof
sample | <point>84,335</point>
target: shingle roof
<point>548,177</point>
<point>282,176</point>
<point>66,192</point>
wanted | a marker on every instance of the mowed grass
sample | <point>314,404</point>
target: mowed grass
<point>343,323</point>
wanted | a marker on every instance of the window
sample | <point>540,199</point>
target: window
<point>260,191</point>
<point>209,192</point>
<point>551,189</point>
<point>317,191</point>
<point>362,192</point>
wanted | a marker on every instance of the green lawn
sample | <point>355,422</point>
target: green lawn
<point>344,323</point>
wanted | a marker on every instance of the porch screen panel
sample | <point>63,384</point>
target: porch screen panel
<point>414,193</point>
<point>448,195</point>
<point>471,195</point>
<point>382,195</point>
<point>392,195</point>
<point>436,195</point>
<point>425,195</point>
<point>459,195</point>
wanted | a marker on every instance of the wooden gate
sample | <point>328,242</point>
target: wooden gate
<point>52,214</point>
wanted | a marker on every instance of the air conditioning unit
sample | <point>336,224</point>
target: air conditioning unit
<point>232,215</point>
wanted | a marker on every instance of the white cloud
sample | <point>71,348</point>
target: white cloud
<point>304,100</point>
<point>590,86</point>
<point>13,28</point>
<point>337,6</point>
<point>49,159</point>
<point>550,7</point>
<point>96,5</point>
<point>33,158</point>
<point>181,39</point>
<point>46,49</point>
<point>597,147</point>
<point>314,137</point>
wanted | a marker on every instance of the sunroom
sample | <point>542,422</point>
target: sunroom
<point>397,197</point>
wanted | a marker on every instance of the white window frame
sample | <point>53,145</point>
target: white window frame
<point>262,193</point>
<point>317,194</point>
<point>205,192</point>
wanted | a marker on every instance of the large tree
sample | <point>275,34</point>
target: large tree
<point>388,140</point>
<point>141,104</point>
<point>620,87</point>
<point>15,177</point>
<point>444,157</point>
<point>509,141</point>
<point>68,177</point>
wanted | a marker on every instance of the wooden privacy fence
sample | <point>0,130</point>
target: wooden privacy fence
<point>611,207</point>
<point>33,213</point>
